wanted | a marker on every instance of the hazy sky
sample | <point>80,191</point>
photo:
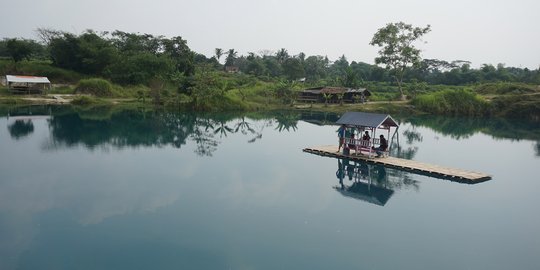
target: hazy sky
<point>484,31</point>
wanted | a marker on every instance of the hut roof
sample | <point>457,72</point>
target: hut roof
<point>367,119</point>
<point>333,90</point>
<point>26,79</point>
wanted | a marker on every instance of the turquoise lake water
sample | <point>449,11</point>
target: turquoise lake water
<point>130,189</point>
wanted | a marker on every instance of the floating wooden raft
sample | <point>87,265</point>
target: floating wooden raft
<point>452,174</point>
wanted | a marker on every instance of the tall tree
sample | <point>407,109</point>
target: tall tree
<point>219,53</point>
<point>95,53</point>
<point>178,51</point>
<point>339,68</point>
<point>293,69</point>
<point>272,66</point>
<point>255,65</point>
<point>350,78</point>
<point>282,55</point>
<point>64,52</point>
<point>134,43</point>
<point>231,56</point>
<point>315,67</point>
<point>88,53</point>
<point>302,56</point>
<point>48,34</point>
<point>18,49</point>
<point>398,52</point>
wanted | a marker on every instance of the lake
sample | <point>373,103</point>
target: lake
<point>130,189</point>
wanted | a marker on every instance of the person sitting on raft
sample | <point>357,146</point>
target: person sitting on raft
<point>383,145</point>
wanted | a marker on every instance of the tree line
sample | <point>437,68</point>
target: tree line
<point>133,58</point>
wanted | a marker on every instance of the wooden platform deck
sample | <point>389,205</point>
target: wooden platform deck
<point>452,174</point>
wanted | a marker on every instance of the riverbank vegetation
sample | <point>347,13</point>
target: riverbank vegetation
<point>159,71</point>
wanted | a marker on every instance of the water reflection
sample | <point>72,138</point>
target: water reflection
<point>20,124</point>
<point>371,183</point>
<point>464,127</point>
<point>134,128</point>
<point>287,121</point>
<point>21,128</point>
<point>407,151</point>
<point>109,126</point>
<point>193,213</point>
<point>106,126</point>
<point>319,118</point>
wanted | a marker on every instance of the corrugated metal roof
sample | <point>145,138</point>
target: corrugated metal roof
<point>26,79</point>
<point>367,119</point>
<point>332,90</point>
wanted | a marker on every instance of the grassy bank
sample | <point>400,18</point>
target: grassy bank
<point>461,102</point>
<point>452,102</point>
<point>217,91</point>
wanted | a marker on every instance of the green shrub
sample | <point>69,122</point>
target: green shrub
<point>139,68</point>
<point>505,88</point>
<point>229,103</point>
<point>132,91</point>
<point>517,106</point>
<point>452,102</point>
<point>96,87</point>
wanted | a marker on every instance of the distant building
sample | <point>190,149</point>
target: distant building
<point>350,95</point>
<point>27,84</point>
<point>232,69</point>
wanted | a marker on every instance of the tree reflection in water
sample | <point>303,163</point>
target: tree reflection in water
<point>464,127</point>
<point>409,150</point>
<point>105,126</point>
<point>243,126</point>
<point>203,135</point>
<point>21,128</point>
<point>287,121</point>
<point>135,128</point>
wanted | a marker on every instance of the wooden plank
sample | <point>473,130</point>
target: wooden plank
<point>414,166</point>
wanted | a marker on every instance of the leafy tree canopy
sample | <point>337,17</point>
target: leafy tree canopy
<point>397,50</point>
<point>18,49</point>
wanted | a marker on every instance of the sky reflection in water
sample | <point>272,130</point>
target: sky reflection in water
<point>160,190</point>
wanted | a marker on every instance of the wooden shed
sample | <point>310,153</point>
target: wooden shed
<point>332,95</point>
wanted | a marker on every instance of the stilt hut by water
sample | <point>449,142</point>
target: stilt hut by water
<point>27,84</point>
<point>363,187</point>
<point>332,94</point>
<point>375,124</point>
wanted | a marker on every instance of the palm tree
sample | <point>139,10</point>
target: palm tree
<point>231,56</point>
<point>302,56</point>
<point>327,97</point>
<point>282,55</point>
<point>219,53</point>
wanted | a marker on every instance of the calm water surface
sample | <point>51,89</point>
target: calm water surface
<point>155,190</point>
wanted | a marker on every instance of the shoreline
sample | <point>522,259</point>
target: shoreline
<point>389,107</point>
<point>67,99</point>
